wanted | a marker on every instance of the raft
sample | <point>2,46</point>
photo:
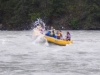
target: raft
<point>58,41</point>
<point>52,39</point>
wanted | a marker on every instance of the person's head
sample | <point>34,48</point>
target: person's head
<point>57,31</point>
<point>68,33</point>
<point>52,28</point>
<point>60,30</point>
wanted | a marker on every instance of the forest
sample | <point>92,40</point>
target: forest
<point>69,14</point>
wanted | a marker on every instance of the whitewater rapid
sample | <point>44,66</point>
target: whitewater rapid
<point>20,55</point>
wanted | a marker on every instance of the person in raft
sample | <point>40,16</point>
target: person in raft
<point>68,36</point>
<point>59,34</point>
<point>40,29</point>
<point>51,32</point>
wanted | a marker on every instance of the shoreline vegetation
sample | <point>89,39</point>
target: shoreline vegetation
<point>61,14</point>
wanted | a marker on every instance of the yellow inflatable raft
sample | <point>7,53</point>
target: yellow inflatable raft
<point>57,41</point>
<point>53,40</point>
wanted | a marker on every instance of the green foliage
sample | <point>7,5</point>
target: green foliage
<point>34,15</point>
<point>36,3</point>
<point>74,23</point>
<point>58,8</point>
<point>16,13</point>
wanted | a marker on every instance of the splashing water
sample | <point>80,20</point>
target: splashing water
<point>41,40</point>
<point>39,22</point>
<point>38,34</point>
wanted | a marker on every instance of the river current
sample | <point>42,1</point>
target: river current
<point>19,55</point>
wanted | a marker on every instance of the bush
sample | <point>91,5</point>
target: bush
<point>74,23</point>
<point>33,16</point>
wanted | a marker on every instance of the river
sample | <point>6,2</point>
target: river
<point>19,55</point>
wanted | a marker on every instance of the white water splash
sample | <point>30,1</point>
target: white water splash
<point>39,22</point>
<point>39,37</point>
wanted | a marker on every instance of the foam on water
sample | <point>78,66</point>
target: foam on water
<point>18,56</point>
<point>3,41</point>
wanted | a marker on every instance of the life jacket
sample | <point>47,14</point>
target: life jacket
<point>59,35</point>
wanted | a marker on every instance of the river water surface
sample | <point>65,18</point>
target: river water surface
<point>19,55</point>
